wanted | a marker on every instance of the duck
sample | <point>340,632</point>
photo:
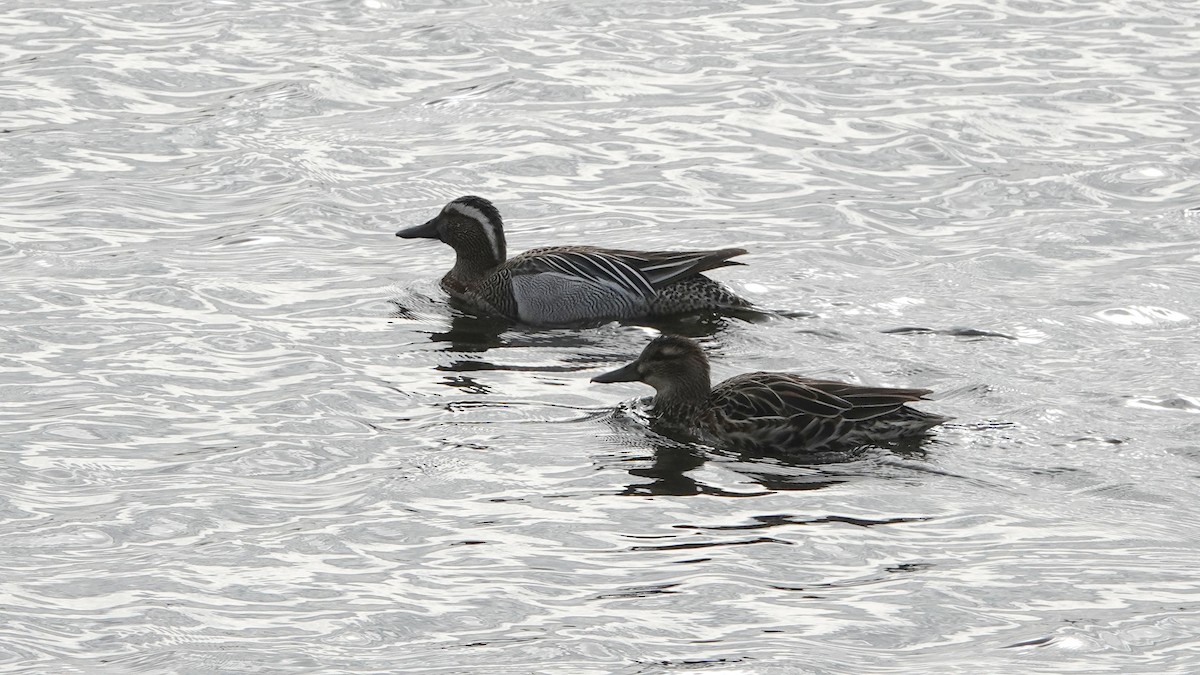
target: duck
<point>770,411</point>
<point>560,286</point>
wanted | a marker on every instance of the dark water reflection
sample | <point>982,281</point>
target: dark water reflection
<point>673,456</point>
<point>669,465</point>
<point>471,332</point>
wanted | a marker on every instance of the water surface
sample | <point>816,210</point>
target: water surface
<point>243,431</point>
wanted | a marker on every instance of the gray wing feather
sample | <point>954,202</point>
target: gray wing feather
<point>637,273</point>
<point>597,268</point>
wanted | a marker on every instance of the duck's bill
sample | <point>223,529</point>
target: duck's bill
<point>426,231</point>
<point>627,373</point>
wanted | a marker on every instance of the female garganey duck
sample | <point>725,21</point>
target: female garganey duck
<point>570,285</point>
<point>770,411</point>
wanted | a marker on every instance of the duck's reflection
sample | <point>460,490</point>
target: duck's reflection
<point>468,332</point>
<point>669,469</point>
<point>699,325</point>
<point>668,473</point>
<point>467,384</point>
<point>472,332</point>
<point>674,461</point>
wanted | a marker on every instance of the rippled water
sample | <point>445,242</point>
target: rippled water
<point>242,431</point>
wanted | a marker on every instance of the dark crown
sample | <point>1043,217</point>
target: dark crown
<point>672,347</point>
<point>483,206</point>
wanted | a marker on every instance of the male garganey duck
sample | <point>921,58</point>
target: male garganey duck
<point>778,412</point>
<point>570,285</point>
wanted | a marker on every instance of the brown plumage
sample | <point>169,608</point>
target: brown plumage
<point>782,412</point>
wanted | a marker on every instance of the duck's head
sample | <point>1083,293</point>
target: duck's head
<point>470,225</point>
<point>670,363</point>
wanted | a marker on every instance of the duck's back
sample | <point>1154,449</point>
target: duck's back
<point>568,285</point>
<point>789,412</point>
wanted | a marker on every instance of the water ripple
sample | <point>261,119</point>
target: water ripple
<point>243,429</point>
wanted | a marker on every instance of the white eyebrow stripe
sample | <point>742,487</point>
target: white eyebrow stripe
<point>488,229</point>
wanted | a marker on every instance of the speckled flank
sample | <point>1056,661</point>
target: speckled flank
<point>775,412</point>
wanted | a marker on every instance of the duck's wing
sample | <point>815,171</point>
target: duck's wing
<point>867,402</point>
<point>785,410</point>
<point>662,268</point>
<point>635,273</point>
<point>759,397</point>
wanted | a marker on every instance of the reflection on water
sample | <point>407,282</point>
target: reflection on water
<point>669,465</point>
<point>673,460</point>
<point>470,332</point>
<point>955,332</point>
<point>243,430</point>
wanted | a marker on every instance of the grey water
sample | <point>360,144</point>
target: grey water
<point>243,431</point>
